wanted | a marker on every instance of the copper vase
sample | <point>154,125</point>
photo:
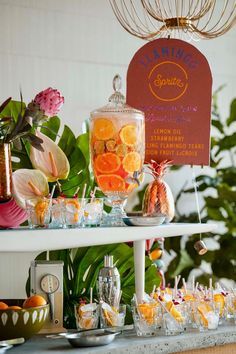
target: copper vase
<point>5,173</point>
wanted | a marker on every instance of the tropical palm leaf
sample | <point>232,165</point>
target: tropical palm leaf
<point>81,268</point>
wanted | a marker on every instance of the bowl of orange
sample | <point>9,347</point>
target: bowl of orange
<point>23,321</point>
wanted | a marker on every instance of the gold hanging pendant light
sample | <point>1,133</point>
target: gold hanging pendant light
<point>184,19</point>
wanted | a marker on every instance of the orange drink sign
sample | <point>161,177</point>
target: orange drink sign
<point>170,81</point>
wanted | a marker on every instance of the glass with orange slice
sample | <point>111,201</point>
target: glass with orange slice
<point>73,211</point>
<point>86,316</point>
<point>117,145</point>
<point>39,212</point>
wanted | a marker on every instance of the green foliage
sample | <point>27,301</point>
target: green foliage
<point>219,194</point>
<point>15,125</point>
<point>81,267</point>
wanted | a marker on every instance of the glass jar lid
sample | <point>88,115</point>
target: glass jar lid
<point>117,102</point>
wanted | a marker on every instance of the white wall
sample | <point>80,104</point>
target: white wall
<point>77,46</point>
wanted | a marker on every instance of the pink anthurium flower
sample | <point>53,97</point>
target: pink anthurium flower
<point>29,184</point>
<point>52,161</point>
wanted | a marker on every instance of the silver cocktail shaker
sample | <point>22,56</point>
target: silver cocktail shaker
<point>108,284</point>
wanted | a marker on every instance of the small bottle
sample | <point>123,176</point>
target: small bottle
<point>108,285</point>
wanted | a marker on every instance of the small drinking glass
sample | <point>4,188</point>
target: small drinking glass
<point>57,214</point>
<point>39,212</point>
<point>230,307</point>
<point>206,316</point>
<point>113,317</point>
<point>73,211</point>
<point>174,318</point>
<point>93,211</point>
<point>86,316</point>
<point>146,319</point>
<point>171,325</point>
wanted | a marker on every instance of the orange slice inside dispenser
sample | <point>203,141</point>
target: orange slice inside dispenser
<point>107,163</point>
<point>111,183</point>
<point>132,162</point>
<point>103,129</point>
<point>128,135</point>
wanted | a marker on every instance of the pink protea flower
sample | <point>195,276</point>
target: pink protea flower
<point>49,101</point>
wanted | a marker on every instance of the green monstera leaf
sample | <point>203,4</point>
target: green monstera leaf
<point>81,267</point>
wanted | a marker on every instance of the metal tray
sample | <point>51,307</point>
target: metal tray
<point>91,338</point>
<point>137,219</point>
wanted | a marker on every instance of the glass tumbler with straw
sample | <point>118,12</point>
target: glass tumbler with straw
<point>87,315</point>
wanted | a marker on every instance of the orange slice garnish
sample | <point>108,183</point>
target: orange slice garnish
<point>219,298</point>
<point>174,312</point>
<point>132,162</point>
<point>103,129</point>
<point>111,183</point>
<point>188,297</point>
<point>203,309</point>
<point>128,134</point>
<point>107,163</point>
<point>148,311</point>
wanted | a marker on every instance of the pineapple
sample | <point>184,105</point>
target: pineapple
<point>158,198</point>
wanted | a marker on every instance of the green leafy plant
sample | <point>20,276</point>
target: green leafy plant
<point>15,125</point>
<point>218,190</point>
<point>81,267</point>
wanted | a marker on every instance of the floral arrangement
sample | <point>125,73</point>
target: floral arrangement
<point>32,132</point>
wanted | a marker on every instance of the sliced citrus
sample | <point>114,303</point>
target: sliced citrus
<point>148,312</point>
<point>128,134</point>
<point>103,129</point>
<point>107,163</point>
<point>219,299</point>
<point>132,162</point>
<point>203,309</point>
<point>188,297</point>
<point>174,312</point>
<point>111,183</point>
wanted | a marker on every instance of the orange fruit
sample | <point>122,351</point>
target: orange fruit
<point>128,134</point>
<point>14,308</point>
<point>3,306</point>
<point>111,183</point>
<point>107,163</point>
<point>34,301</point>
<point>156,254</point>
<point>132,162</point>
<point>103,129</point>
